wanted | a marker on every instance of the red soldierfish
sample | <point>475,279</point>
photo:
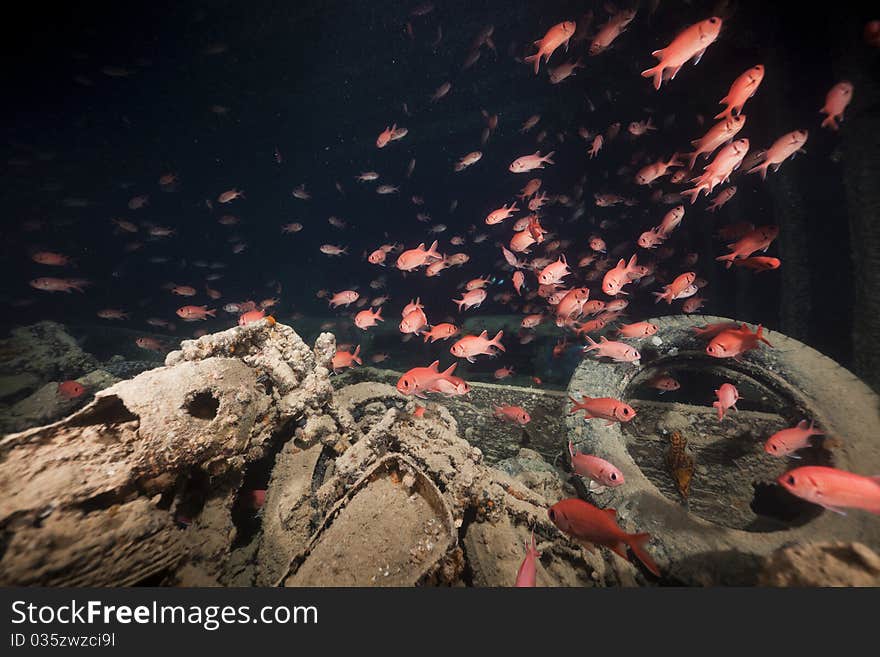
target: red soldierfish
<point>556,36</point>
<point>788,441</point>
<point>676,287</point>
<point>526,575</point>
<point>743,88</point>
<point>732,343</point>
<point>474,345</point>
<point>835,102</point>
<point>758,239</point>
<point>690,44</point>
<point>531,162</point>
<point>620,352</point>
<point>833,489</point>
<point>594,468</point>
<point>515,414</point>
<point>783,148</point>
<point>586,523</point>
<point>727,395</point>
<point>603,408</point>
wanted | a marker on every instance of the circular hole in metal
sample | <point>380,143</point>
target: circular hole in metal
<point>734,480</point>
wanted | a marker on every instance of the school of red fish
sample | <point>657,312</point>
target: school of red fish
<point>583,296</point>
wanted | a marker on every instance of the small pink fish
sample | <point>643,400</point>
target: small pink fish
<point>594,468</point>
<point>728,395</point>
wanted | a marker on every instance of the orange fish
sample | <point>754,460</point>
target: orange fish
<point>787,441</point>
<point>783,148</point>
<point>381,141</point>
<point>611,30</point>
<point>230,195</point>
<point>758,239</point>
<point>721,198</point>
<point>149,343</point>
<point>554,272</point>
<point>727,395</point>
<point>690,44</point>
<point>718,171</point>
<point>732,343</point>
<point>616,278</point>
<point>58,284</point>
<point>49,258</point>
<point>414,322</point>
<point>652,172</point>
<point>833,489</point>
<point>620,352</point>
<point>343,359</point>
<point>586,523</point>
<point>344,298</point>
<point>250,317</point>
<point>603,408</point>
<point>367,318</point>
<point>718,134</point>
<point>759,263</point>
<point>637,330</point>
<point>526,575</point>
<point>194,313</point>
<point>417,257</point>
<point>743,88</point>
<point>835,102</point>
<point>71,389</point>
<point>595,468</point>
<point>556,36</point>
<point>474,345</point>
<point>531,162</point>
<point>675,288</point>
<point>502,213</point>
<point>420,380</point>
<point>512,414</point>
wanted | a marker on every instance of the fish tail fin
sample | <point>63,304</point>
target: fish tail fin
<point>760,336</point>
<point>212,313</point>
<point>636,543</point>
<point>536,58</point>
<point>762,168</point>
<point>717,405</point>
<point>496,341</point>
<point>727,113</point>
<point>656,72</point>
<point>829,121</point>
<point>692,194</point>
<point>547,157</point>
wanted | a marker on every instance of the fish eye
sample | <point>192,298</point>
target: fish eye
<point>774,447</point>
<point>713,20</point>
<point>613,476</point>
<point>552,515</point>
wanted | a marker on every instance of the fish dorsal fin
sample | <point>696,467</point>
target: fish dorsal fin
<point>802,424</point>
<point>435,366</point>
<point>612,513</point>
<point>484,334</point>
<point>603,339</point>
<point>449,370</point>
<point>421,246</point>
